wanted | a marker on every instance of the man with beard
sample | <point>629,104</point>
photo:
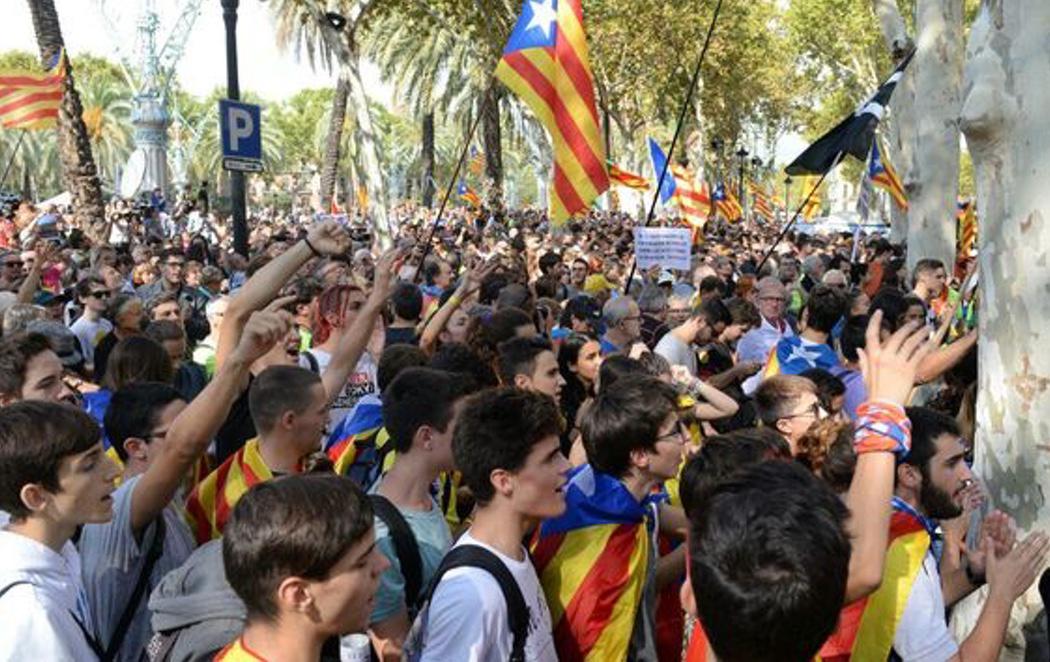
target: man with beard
<point>931,483</point>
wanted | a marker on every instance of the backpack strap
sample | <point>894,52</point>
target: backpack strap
<point>89,638</point>
<point>156,548</point>
<point>406,547</point>
<point>475,556</point>
<point>315,367</point>
<point>12,585</point>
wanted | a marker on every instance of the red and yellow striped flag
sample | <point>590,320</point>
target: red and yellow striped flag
<point>618,175</point>
<point>882,174</point>
<point>592,562</point>
<point>694,203</point>
<point>477,161</point>
<point>967,219</point>
<point>30,100</point>
<point>761,206</point>
<point>212,500</point>
<point>546,63</point>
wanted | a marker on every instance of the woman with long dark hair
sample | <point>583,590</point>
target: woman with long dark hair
<point>579,358</point>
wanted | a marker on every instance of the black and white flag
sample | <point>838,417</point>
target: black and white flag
<point>852,135</point>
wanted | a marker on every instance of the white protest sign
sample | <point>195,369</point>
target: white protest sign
<point>670,248</point>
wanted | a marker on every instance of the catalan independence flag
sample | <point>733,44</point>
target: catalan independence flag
<point>547,65</point>
<point>618,175</point>
<point>592,562</point>
<point>468,195</point>
<point>867,627</point>
<point>477,161</point>
<point>794,355</point>
<point>694,203</point>
<point>882,174</point>
<point>212,500</point>
<point>726,203</point>
<point>30,100</point>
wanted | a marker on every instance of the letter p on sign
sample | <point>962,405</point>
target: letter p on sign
<point>241,135</point>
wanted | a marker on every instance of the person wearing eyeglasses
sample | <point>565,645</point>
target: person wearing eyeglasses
<point>91,327</point>
<point>790,405</point>
<point>10,271</point>
<point>770,297</point>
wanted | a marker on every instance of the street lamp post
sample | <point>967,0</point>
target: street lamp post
<point>233,92</point>
<point>787,197</point>
<point>742,154</point>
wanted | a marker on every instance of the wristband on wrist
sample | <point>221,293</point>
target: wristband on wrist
<point>313,250</point>
<point>882,427</point>
<point>455,299</point>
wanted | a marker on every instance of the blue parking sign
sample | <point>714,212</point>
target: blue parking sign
<point>241,130</point>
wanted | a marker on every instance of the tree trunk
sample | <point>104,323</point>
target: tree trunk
<point>333,142</point>
<point>492,139</point>
<point>426,183</point>
<point>1008,134</point>
<point>79,174</point>
<point>901,127</point>
<point>937,76</point>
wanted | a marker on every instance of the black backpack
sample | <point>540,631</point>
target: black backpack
<point>474,556</point>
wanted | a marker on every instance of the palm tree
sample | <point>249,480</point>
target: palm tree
<point>305,24</point>
<point>107,113</point>
<point>74,144</point>
<point>330,162</point>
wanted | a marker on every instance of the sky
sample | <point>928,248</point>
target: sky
<point>264,69</point>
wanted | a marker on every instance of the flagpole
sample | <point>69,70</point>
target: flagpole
<point>788,226</point>
<point>11,160</point>
<point>448,190</point>
<point>677,133</point>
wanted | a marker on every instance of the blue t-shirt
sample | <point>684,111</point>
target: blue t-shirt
<point>433,539</point>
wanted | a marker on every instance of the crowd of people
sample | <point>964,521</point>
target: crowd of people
<point>486,443</point>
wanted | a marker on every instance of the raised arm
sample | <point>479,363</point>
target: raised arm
<point>191,432</point>
<point>353,343</point>
<point>328,238</point>
<point>470,282</point>
<point>882,433</point>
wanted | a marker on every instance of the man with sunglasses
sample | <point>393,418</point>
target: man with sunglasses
<point>11,273</point>
<point>173,279</point>
<point>91,327</point>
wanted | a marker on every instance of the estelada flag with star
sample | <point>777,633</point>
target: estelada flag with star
<point>546,63</point>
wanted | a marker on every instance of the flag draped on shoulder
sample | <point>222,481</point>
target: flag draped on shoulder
<point>592,562</point>
<point>546,63</point>
<point>853,135</point>
<point>794,355</point>
<point>30,100</point>
<point>882,174</point>
<point>618,175</point>
<point>212,500</point>
<point>867,627</point>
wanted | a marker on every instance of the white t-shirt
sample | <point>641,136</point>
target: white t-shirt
<point>922,634</point>
<point>90,334</point>
<point>467,617</point>
<point>361,382</point>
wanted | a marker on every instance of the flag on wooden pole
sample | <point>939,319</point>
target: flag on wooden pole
<point>546,63</point>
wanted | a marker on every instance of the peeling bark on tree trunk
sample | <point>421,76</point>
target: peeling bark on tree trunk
<point>1007,130</point>
<point>368,154</point>
<point>427,161</point>
<point>333,143</point>
<point>937,77</point>
<point>79,174</point>
<point>1008,133</point>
